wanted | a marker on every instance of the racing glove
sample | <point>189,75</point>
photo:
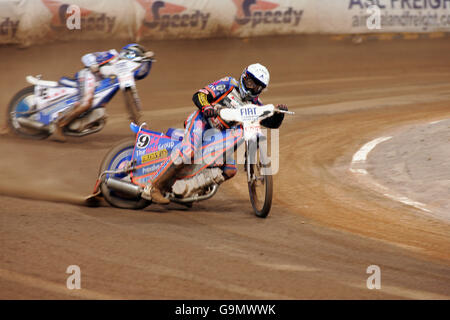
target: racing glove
<point>209,111</point>
<point>149,55</point>
<point>282,107</point>
<point>274,122</point>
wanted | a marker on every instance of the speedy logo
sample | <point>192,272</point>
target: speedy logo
<point>256,12</point>
<point>89,20</point>
<point>162,15</point>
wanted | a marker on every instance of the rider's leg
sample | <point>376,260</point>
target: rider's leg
<point>229,171</point>
<point>87,81</point>
<point>221,169</point>
<point>163,183</point>
<point>167,173</point>
<point>229,168</point>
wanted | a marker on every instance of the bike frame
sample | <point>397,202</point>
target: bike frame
<point>53,98</point>
<point>134,166</point>
<point>152,149</point>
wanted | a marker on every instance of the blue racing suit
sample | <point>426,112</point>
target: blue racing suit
<point>219,93</point>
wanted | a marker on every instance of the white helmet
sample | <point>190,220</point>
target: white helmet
<point>254,79</point>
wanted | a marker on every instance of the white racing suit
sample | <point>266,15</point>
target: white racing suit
<point>87,80</point>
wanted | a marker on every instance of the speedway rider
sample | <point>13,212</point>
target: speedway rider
<point>93,72</point>
<point>253,80</point>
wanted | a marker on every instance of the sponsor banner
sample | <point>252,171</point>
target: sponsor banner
<point>158,19</point>
<point>27,21</point>
<point>85,19</point>
<point>9,21</point>
<point>265,17</point>
<point>21,21</point>
<point>360,16</point>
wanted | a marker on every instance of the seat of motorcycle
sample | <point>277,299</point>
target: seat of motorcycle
<point>175,133</point>
<point>68,82</point>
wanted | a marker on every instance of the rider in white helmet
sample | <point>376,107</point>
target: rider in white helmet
<point>224,93</point>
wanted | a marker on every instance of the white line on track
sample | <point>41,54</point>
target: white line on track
<point>360,158</point>
<point>435,122</point>
<point>361,155</point>
<point>405,200</point>
<point>359,171</point>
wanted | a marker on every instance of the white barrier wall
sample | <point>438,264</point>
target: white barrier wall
<point>27,21</point>
<point>350,16</point>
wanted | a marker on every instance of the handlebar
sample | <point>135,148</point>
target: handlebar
<point>250,113</point>
<point>286,112</point>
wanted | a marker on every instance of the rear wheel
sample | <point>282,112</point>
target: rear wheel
<point>115,159</point>
<point>260,182</point>
<point>20,105</point>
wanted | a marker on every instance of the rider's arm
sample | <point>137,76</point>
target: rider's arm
<point>97,59</point>
<point>201,101</point>
<point>273,122</point>
<point>206,97</point>
<point>89,59</point>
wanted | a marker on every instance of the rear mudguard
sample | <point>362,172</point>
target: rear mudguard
<point>93,199</point>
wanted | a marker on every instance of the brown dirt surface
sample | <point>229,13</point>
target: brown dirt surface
<point>325,227</point>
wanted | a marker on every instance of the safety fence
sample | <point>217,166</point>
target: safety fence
<point>31,21</point>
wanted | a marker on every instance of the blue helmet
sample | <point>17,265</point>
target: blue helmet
<point>132,51</point>
<point>137,53</point>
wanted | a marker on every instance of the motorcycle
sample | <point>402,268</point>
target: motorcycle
<point>34,110</point>
<point>127,167</point>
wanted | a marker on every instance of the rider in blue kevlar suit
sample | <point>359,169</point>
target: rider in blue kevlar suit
<point>228,93</point>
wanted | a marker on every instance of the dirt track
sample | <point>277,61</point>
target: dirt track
<point>325,228</point>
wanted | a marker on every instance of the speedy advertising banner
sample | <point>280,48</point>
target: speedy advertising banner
<point>206,18</point>
<point>31,21</point>
<point>181,19</point>
<point>28,21</point>
<point>256,17</point>
<point>87,19</point>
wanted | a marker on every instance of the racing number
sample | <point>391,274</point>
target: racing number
<point>43,92</point>
<point>143,141</point>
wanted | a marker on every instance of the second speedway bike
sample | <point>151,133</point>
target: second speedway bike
<point>33,111</point>
<point>130,165</point>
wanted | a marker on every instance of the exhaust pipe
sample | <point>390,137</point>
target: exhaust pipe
<point>196,198</point>
<point>125,187</point>
<point>24,122</point>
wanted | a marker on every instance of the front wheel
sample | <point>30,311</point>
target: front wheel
<point>260,182</point>
<point>19,107</point>
<point>115,159</point>
<point>132,103</point>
